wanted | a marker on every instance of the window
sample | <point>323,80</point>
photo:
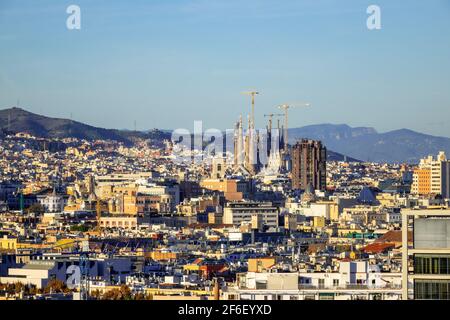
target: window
<point>432,290</point>
<point>428,264</point>
<point>321,283</point>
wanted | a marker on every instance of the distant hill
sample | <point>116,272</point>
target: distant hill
<point>335,156</point>
<point>367,144</point>
<point>361,143</point>
<point>19,120</point>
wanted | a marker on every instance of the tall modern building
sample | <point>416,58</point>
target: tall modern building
<point>426,255</point>
<point>432,175</point>
<point>445,180</point>
<point>309,165</point>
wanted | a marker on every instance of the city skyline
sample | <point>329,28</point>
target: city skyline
<point>156,60</point>
<point>241,153</point>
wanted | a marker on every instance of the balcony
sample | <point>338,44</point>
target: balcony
<point>349,287</point>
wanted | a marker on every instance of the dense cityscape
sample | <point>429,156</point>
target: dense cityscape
<point>103,219</point>
<point>206,159</point>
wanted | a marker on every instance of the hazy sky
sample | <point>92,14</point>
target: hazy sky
<point>166,63</point>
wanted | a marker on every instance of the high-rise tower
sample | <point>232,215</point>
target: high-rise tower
<point>309,165</point>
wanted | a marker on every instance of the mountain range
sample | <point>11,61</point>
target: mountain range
<point>367,144</point>
<point>19,120</point>
<point>363,143</point>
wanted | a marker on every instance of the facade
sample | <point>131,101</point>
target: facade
<point>8,244</point>
<point>445,173</point>
<point>426,260</point>
<point>354,281</point>
<point>199,205</point>
<point>309,165</point>
<point>431,175</point>
<point>170,195</point>
<point>40,271</point>
<point>326,209</point>
<point>123,178</point>
<point>218,168</point>
<point>124,222</point>
<point>251,212</point>
<point>52,202</point>
<point>246,148</point>
<point>233,189</point>
<point>256,150</point>
<point>421,181</point>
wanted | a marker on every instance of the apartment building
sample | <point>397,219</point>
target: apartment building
<point>52,202</point>
<point>40,271</point>
<point>233,189</point>
<point>119,221</point>
<point>355,280</point>
<point>309,165</point>
<point>123,178</point>
<point>432,175</point>
<point>426,259</point>
<point>251,212</point>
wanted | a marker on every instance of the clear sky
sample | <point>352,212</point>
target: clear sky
<point>166,63</point>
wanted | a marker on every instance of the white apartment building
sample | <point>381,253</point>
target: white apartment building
<point>355,280</point>
<point>40,271</point>
<point>171,191</point>
<point>426,257</point>
<point>123,178</point>
<point>437,180</point>
<point>238,213</point>
<point>52,202</point>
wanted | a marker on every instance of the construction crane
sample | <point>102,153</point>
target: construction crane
<point>252,94</point>
<point>270,116</point>
<point>286,108</point>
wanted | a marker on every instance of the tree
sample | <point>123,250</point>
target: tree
<point>113,294</point>
<point>33,291</point>
<point>79,228</point>
<point>123,293</point>
<point>96,294</point>
<point>18,287</point>
<point>56,286</point>
<point>139,296</point>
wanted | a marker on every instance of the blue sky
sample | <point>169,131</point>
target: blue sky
<point>167,63</point>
